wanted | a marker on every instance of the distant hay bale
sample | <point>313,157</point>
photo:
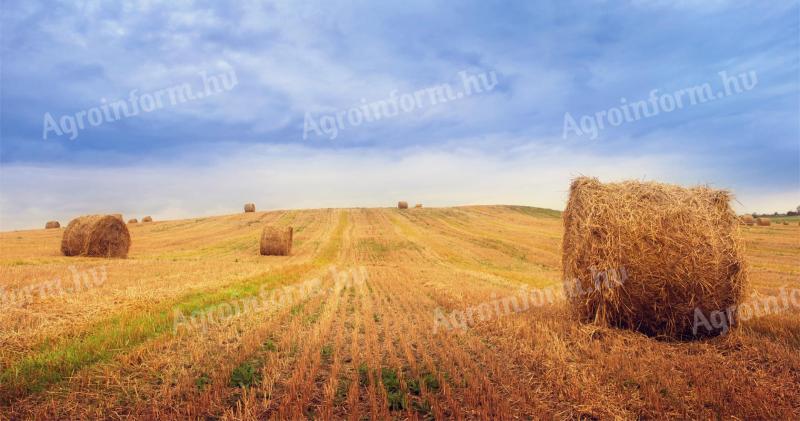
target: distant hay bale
<point>748,219</point>
<point>402,205</point>
<point>52,224</point>
<point>652,257</point>
<point>249,207</point>
<point>133,221</point>
<point>147,219</point>
<point>117,215</point>
<point>276,241</point>
<point>785,222</point>
<point>418,206</point>
<point>96,235</point>
<point>764,222</point>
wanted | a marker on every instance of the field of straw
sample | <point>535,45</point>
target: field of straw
<point>369,332</point>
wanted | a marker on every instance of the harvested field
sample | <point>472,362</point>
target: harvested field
<point>380,336</point>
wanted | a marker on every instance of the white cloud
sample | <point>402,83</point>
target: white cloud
<point>299,177</point>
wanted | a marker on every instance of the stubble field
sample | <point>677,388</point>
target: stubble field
<point>358,325</point>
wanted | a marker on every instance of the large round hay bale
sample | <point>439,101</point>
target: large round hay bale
<point>147,219</point>
<point>652,257</point>
<point>748,219</point>
<point>133,221</point>
<point>276,241</point>
<point>785,222</point>
<point>249,207</point>
<point>764,222</point>
<point>52,224</point>
<point>402,205</point>
<point>96,235</point>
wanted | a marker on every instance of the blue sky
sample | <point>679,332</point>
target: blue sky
<point>505,145</point>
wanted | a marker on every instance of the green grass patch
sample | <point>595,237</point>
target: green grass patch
<point>328,254</point>
<point>57,360</point>
<point>341,390</point>
<point>327,352</point>
<point>202,381</point>
<point>363,375</point>
<point>373,247</point>
<point>244,375</point>
<point>538,212</point>
<point>395,395</point>
<point>269,345</point>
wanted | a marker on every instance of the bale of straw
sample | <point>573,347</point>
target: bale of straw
<point>147,219</point>
<point>785,223</point>
<point>133,221</point>
<point>418,206</point>
<point>764,222</point>
<point>249,207</point>
<point>402,205</point>
<point>52,224</point>
<point>96,235</point>
<point>117,215</point>
<point>652,257</point>
<point>276,241</point>
<point>748,219</point>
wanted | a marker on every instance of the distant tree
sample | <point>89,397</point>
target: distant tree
<point>775,214</point>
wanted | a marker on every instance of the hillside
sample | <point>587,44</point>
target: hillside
<point>377,336</point>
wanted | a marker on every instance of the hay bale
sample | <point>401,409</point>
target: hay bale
<point>133,221</point>
<point>649,256</point>
<point>52,224</point>
<point>117,215</point>
<point>276,241</point>
<point>402,205</point>
<point>147,219</point>
<point>418,206</point>
<point>748,220</point>
<point>785,223</point>
<point>249,207</point>
<point>96,235</point>
<point>764,222</point>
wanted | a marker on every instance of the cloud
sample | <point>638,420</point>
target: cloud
<point>551,57</point>
<point>279,177</point>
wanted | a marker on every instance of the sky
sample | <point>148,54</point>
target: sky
<point>181,109</point>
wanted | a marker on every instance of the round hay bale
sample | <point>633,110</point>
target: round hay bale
<point>748,219</point>
<point>402,205</point>
<point>249,207</point>
<point>764,222</point>
<point>52,224</point>
<point>652,257</point>
<point>96,235</point>
<point>133,221</point>
<point>147,219</point>
<point>418,206</point>
<point>117,215</point>
<point>785,222</point>
<point>276,241</point>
